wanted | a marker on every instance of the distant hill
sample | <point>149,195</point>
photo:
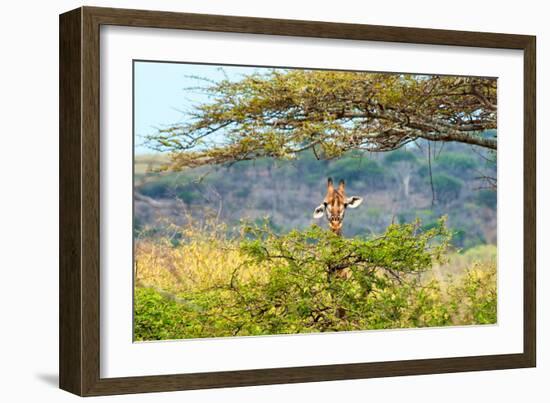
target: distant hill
<point>456,180</point>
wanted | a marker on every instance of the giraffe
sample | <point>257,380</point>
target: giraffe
<point>335,204</point>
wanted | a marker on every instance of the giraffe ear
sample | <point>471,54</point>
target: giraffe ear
<point>353,201</point>
<point>319,211</point>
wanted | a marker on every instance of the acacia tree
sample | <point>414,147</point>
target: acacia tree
<point>284,112</point>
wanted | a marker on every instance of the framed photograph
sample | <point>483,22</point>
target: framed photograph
<point>248,201</point>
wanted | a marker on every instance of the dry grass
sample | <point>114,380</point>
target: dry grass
<point>482,258</point>
<point>205,260</point>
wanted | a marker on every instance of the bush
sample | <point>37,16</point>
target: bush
<point>318,281</point>
<point>358,168</point>
<point>456,164</point>
<point>307,281</point>
<point>446,187</point>
<point>474,298</point>
<point>487,198</point>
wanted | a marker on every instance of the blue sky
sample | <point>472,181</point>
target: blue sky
<point>161,93</point>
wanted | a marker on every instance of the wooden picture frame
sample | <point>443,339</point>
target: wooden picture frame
<point>79,317</point>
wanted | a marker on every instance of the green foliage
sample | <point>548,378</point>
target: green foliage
<point>402,248</point>
<point>325,282</point>
<point>314,281</point>
<point>447,188</point>
<point>487,198</point>
<point>157,317</point>
<point>474,299</point>
<point>456,164</point>
<point>160,316</point>
<point>358,168</point>
<point>401,156</point>
<point>459,164</point>
<point>169,186</point>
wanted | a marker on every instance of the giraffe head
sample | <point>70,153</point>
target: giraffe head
<point>335,204</point>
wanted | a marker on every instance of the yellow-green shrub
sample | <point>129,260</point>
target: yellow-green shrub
<point>211,285</point>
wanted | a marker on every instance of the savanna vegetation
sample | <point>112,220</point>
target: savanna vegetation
<point>225,243</point>
<point>258,282</point>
